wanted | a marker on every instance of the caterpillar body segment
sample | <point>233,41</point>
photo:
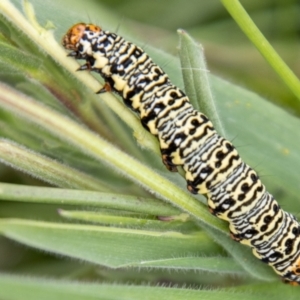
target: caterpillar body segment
<point>187,138</point>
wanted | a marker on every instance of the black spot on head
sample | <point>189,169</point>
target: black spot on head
<point>171,102</point>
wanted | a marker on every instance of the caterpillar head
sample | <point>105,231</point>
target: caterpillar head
<point>71,39</point>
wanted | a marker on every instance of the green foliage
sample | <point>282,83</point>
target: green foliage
<point>118,215</point>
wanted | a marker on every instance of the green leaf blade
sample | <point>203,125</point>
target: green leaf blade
<point>108,246</point>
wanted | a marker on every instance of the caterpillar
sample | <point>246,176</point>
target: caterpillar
<point>188,139</point>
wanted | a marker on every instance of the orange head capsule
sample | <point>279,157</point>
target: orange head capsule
<point>75,33</point>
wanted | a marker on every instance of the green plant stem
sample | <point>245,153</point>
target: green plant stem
<point>239,14</point>
<point>91,144</point>
<point>108,219</point>
<point>34,194</point>
<point>47,169</point>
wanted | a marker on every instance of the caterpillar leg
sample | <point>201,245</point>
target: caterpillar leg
<point>234,237</point>
<point>169,165</point>
<point>74,54</point>
<point>192,189</point>
<point>87,66</point>
<point>106,88</point>
<point>166,154</point>
<point>292,283</point>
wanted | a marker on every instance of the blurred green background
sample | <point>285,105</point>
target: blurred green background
<point>228,52</point>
